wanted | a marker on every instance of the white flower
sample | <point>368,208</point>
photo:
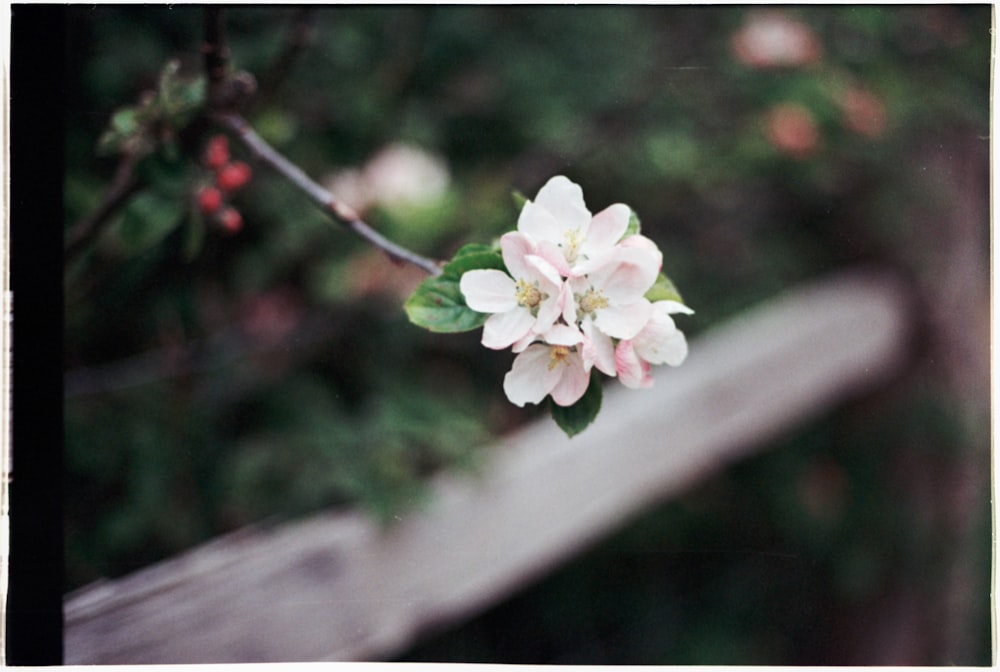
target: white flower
<point>566,232</point>
<point>658,342</point>
<point>529,302</point>
<point>612,287</point>
<point>555,368</point>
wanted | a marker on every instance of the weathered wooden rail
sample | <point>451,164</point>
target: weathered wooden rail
<point>337,587</point>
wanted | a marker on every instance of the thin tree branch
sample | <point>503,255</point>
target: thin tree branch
<point>327,202</point>
<point>216,55</point>
<point>123,185</point>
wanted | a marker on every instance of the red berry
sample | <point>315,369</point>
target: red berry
<point>230,220</point>
<point>217,152</point>
<point>209,200</point>
<point>233,176</point>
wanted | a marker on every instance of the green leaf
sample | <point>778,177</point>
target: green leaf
<point>149,218</point>
<point>438,305</point>
<point>574,419</point>
<point>664,290</point>
<point>634,226</point>
<point>472,257</point>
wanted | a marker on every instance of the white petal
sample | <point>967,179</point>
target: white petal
<point>674,307</point>
<point>675,351</point>
<point>488,290</point>
<point>573,381</point>
<point>564,199</point>
<point>598,350</point>
<point>514,247</point>
<point>606,228</point>
<point>540,224</point>
<point>527,381</point>
<point>553,254</point>
<point>562,334</point>
<point>618,321</point>
<point>502,330</point>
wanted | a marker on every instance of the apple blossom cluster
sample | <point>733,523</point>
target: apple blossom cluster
<point>578,293</point>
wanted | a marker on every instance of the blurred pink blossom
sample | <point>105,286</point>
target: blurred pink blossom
<point>770,39</point>
<point>864,112</point>
<point>791,128</point>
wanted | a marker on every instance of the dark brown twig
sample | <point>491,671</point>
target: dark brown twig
<point>297,38</point>
<point>322,198</point>
<point>123,185</point>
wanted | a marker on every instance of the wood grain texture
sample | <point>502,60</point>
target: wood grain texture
<point>337,587</point>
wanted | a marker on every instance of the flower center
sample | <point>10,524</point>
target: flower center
<point>558,356</point>
<point>527,294</point>
<point>592,300</point>
<point>571,246</point>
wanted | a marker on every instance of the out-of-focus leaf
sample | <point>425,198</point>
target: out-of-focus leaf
<point>149,218</point>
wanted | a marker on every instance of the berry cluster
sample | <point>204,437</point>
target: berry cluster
<point>230,176</point>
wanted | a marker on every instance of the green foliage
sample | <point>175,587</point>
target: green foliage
<point>158,117</point>
<point>576,418</point>
<point>664,290</point>
<point>438,305</point>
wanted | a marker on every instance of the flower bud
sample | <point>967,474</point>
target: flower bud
<point>230,220</point>
<point>209,200</point>
<point>233,176</point>
<point>217,152</point>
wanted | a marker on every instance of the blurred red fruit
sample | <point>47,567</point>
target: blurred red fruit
<point>217,152</point>
<point>233,176</point>
<point>230,220</point>
<point>209,200</point>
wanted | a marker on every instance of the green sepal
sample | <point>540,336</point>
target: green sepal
<point>664,290</point>
<point>634,226</point>
<point>574,419</point>
<point>437,303</point>
<point>519,199</point>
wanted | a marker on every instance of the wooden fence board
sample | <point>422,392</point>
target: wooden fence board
<point>337,587</point>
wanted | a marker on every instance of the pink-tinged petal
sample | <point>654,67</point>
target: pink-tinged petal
<point>488,291</point>
<point>564,199</point>
<point>572,383</point>
<point>623,321</point>
<point>514,247</point>
<point>598,350</point>
<point>654,335</point>
<point>553,254</point>
<point>632,371</point>
<point>502,330</point>
<point>631,272</point>
<point>606,228</point>
<point>537,222</point>
<point>563,334</point>
<point>528,380</point>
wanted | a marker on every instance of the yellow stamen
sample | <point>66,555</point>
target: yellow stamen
<point>592,300</point>
<point>527,294</point>
<point>572,244</point>
<point>558,355</point>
